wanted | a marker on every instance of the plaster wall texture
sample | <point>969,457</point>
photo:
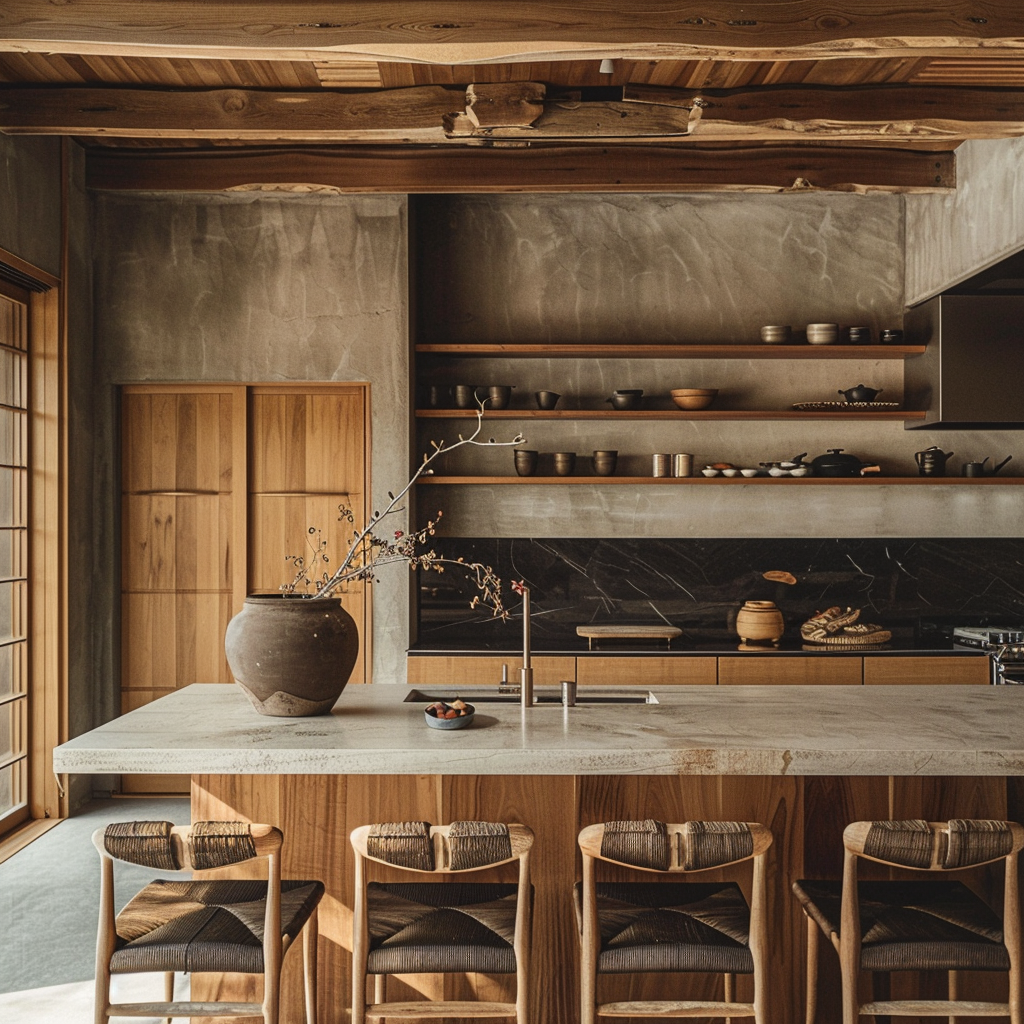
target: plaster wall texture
<point>30,199</point>
<point>568,269</point>
<point>951,237</point>
<point>258,289</point>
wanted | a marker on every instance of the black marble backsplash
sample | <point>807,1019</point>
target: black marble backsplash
<point>918,588</point>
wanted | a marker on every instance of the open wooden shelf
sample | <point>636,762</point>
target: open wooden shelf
<point>668,414</point>
<point>785,481</point>
<point>755,351</point>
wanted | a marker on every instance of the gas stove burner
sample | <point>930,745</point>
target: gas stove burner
<point>987,637</point>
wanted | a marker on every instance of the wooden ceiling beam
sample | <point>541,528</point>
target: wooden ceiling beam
<point>528,112</point>
<point>407,169</point>
<point>489,31</point>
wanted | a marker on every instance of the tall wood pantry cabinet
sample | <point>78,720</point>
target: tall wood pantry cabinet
<point>221,484</point>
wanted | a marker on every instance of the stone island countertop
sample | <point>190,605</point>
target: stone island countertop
<point>691,730</point>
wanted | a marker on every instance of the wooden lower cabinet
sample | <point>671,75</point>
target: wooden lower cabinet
<point>649,670</point>
<point>442,670</point>
<point>752,670</point>
<point>805,814</point>
<point>932,670</point>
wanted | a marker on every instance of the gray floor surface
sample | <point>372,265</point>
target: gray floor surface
<point>49,895</point>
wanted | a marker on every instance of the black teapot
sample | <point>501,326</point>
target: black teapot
<point>861,393</point>
<point>978,468</point>
<point>932,461</point>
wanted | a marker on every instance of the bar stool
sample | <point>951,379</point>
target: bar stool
<point>917,925</point>
<point>440,927</point>
<point>222,925</point>
<point>663,926</point>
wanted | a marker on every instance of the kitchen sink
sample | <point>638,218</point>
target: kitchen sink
<point>541,695</point>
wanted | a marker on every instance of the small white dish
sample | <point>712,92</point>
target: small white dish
<point>799,471</point>
<point>709,472</point>
<point>775,471</point>
<point>730,472</point>
<point>750,472</point>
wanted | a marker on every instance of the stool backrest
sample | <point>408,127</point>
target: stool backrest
<point>687,846</point>
<point>442,849</point>
<point>197,847</point>
<point>934,845</point>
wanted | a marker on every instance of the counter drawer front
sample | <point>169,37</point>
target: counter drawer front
<point>751,670</point>
<point>932,671</point>
<point>486,671</point>
<point>645,671</point>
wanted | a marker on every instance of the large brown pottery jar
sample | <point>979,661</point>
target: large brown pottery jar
<point>292,655</point>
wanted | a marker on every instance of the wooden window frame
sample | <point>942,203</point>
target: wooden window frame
<point>47,542</point>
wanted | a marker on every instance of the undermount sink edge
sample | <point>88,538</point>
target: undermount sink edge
<point>543,696</point>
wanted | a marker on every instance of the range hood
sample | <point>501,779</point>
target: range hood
<point>972,373</point>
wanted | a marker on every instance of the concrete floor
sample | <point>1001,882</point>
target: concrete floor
<point>49,905</point>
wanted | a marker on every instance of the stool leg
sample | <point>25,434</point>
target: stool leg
<point>812,971</point>
<point>380,988</point>
<point>310,937</point>
<point>730,992</point>
<point>954,991</point>
<point>168,991</point>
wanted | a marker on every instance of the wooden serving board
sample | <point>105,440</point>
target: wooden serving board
<point>592,633</point>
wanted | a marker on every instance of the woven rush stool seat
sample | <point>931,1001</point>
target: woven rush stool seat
<point>220,925</point>
<point>910,925</point>
<point>913,926</point>
<point>205,926</point>
<point>672,926</point>
<point>440,926</point>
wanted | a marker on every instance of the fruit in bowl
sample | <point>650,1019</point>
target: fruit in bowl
<point>693,398</point>
<point>442,715</point>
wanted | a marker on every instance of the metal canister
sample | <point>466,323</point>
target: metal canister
<point>662,465</point>
<point>569,693</point>
<point>682,464</point>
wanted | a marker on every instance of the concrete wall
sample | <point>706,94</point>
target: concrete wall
<point>253,288</point>
<point>951,237</point>
<point>685,269</point>
<point>30,199</point>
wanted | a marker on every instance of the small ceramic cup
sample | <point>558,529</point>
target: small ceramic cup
<point>605,462</point>
<point>546,399</point>
<point>858,335</point>
<point>822,334</point>
<point>526,462</point>
<point>499,395</point>
<point>465,396</point>
<point>891,336</point>
<point>776,334</point>
<point>565,463</point>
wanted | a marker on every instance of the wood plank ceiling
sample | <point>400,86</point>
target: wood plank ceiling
<point>870,96</point>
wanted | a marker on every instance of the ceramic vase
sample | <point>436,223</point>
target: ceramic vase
<point>759,620</point>
<point>292,655</point>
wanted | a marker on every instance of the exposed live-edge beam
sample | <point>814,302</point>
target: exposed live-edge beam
<point>525,111</point>
<point>477,31</point>
<point>525,169</point>
<point>394,115</point>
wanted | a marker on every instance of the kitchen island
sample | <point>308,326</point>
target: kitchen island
<point>803,760</point>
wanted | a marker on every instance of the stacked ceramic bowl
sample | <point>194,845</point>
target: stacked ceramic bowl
<point>776,334</point>
<point>693,398</point>
<point>822,334</point>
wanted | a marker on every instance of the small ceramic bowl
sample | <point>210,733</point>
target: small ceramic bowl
<point>800,471</point>
<point>430,714</point>
<point>710,472</point>
<point>730,472</point>
<point>750,472</point>
<point>777,471</point>
<point>776,334</point>
<point>822,334</point>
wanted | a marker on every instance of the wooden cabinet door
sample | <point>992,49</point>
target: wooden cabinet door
<point>308,457</point>
<point>485,670</point>
<point>930,670</point>
<point>647,670</point>
<point>769,669</point>
<point>182,519</point>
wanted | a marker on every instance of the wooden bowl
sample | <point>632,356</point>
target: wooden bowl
<point>693,398</point>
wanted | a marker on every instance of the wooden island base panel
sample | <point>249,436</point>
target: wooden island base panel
<point>805,814</point>
<point>803,760</point>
